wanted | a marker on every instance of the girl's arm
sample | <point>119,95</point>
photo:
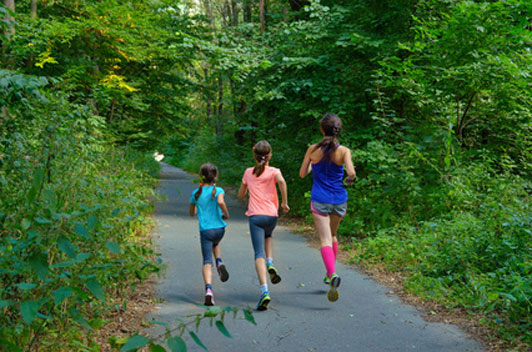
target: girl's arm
<point>192,209</point>
<point>221,204</point>
<point>306,166</point>
<point>242,191</point>
<point>284,194</point>
<point>349,168</point>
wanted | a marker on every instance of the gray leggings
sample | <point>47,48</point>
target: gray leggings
<point>260,227</point>
<point>210,239</point>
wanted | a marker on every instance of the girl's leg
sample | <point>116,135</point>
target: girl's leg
<point>207,274</point>
<point>257,239</point>
<point>220,267</point>
<point>268,246</point>
<point>260,267</point>
<point>322,224</point>
<point>335,222</point>
<point>323,228</point>
<point>217,252</point>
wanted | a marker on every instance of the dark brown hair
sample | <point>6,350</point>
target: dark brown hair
<point>331,126</point>
<point>261,150</point>
<point>208,174</point>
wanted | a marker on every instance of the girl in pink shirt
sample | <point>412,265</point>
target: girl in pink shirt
<point>263,204</point>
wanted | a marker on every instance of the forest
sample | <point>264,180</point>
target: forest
<point>435,98</point>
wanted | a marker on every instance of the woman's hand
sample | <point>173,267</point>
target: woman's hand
<point>285,207</point>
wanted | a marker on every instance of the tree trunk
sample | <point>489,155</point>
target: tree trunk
<point>247,11</point>
<point>261,16</point>
<point>208,11</point>
<point>219,122</point>
<point>34,8</point>
<point>234,11</point>
<point>10,5</point>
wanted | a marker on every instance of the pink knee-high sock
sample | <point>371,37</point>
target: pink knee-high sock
<point>335,249</point>
<point>328,259</point>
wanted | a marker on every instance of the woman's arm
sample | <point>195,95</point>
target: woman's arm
<point>284,193</point>
<point>349,167</point>
<point>306,166</point>
<point>242,191</point>
<point>221,204</point>
<point>192,209</point>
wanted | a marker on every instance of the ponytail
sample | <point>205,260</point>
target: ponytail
<point>331,126</point>
<point>261,153</point>
<point>200,190</point>
<point>198,193</point>
<point>208,174</point>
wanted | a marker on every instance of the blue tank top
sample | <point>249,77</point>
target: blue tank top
<point>327,186</point>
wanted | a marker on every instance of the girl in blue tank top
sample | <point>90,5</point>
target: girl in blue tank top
<point>207,202</point>
<point>328,198</point>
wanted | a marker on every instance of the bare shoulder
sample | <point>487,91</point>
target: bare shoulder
<point>343,150</point>
<point>311,148</point>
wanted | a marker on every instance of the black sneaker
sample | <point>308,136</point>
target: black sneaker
<point>222,271</point>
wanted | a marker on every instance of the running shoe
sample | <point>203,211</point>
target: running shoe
<point>327,280</point>
<point>274,274</point>
<point>209,298</point>
<point>222,271</point>
<point>333,292</point>
<point>264,301</point>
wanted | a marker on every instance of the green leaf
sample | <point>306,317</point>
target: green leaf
<point>82,231</point>
<point>29,310</point>
<point>42,316</point>
<point>26,285</point>
<point>62,265</point>
<point>134,343</point>
<point>38,176</point>
<point>92,222</point>
<point>221,327</point>
<point>113,247</point>
<point>4,303</point>
<point>249,316</point>
<point>66,246</point>
<point>162,323</point>
<point>39,264</point>
<point>197,340</point>
<point>78,318</point>
<point>156,348</point>
<point>25,224</point>
<point>82,256</point>
<point>51,198</point>
<point>176,344</point>
<point>61,294</point>
<point>94,286</point>
<point>212,311</point>
<point>42,221</point>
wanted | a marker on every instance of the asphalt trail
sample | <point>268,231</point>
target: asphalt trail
<point>300,317</point>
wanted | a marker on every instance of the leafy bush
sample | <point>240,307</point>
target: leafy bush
<point>476,256</point>
<point>73,218</point>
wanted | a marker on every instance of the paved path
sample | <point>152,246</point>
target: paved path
<point>300,317</point>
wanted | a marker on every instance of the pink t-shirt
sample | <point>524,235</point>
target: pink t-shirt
<point>263,198</point>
